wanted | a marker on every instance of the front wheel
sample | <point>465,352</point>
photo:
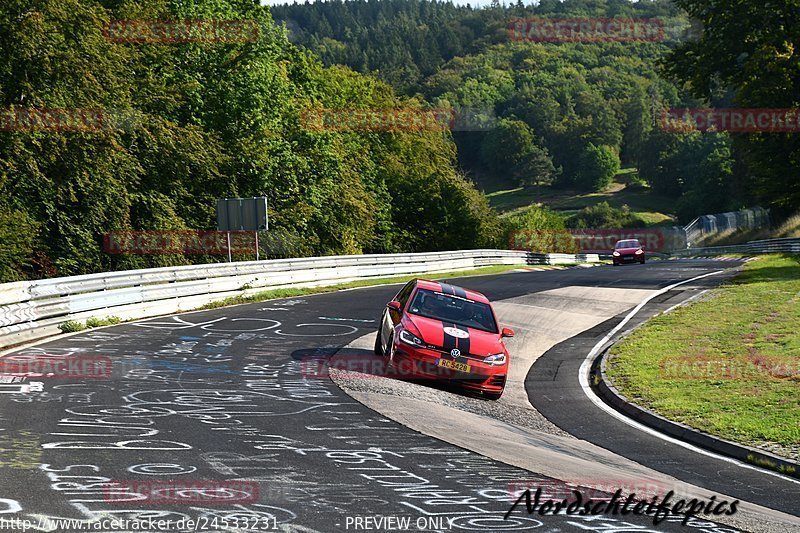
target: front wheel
<point>379,351</point>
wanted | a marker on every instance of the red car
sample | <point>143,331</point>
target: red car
<point>628,251</point>
<point>438,331</point>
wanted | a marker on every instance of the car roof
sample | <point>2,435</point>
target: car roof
<point>444,287</point>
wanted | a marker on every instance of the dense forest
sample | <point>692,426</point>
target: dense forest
<point>196,121</point>
<point>569,113</point>
<point>205,121</point>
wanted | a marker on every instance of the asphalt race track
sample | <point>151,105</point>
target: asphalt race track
<point>232,401</point>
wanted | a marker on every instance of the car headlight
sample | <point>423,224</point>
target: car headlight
<point>616,254</point>
<point>639,252</point>
<point>496,359</point>
<point>409,338</point>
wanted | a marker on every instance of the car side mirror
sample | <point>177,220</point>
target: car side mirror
<point>394,306</point>
<point>507,332</point>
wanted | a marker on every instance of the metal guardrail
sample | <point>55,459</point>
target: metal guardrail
<point>31,310</point>
<point>768,246</point>
<point>705,226</point>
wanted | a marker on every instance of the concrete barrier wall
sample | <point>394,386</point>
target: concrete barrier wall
<point>31,310</point>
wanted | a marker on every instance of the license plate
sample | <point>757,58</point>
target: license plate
<point>447,363</point>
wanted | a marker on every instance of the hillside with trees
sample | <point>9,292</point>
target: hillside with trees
<point>571,126</point>
<point>570,113</point>
<point>202,121</point>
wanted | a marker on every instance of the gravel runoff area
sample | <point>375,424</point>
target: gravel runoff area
<point>540,320</point>
<point>503,410</point>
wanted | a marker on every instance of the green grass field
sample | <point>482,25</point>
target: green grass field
<point>652,208</point>
<point>728,364</point>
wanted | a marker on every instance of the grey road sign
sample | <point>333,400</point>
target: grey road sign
<point>242,214</point>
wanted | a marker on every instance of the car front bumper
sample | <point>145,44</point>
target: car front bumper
<point>628,258</point>
<point>421,363</point>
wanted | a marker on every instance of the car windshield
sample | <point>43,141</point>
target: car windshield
<point>627,244</point>
<point>453,309</point>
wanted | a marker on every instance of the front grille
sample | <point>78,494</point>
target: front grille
<point>498,381</point>
<point>441,351</point>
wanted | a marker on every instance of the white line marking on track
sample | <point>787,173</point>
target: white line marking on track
<point>583,377</point>
<point>686,301</point>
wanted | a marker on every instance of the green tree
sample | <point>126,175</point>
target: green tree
<point>535,168</point>
<point>749,49</point>
<point>193,122</point>
<point>598,166</point>
<point>506,146</point>
<point>18,234</point>
<point>541,230</point>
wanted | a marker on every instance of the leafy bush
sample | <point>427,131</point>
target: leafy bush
<point>17,236</point>
<point>99,322</point>
<point>71,326</point>
<point>540,230</point>
<point>637,183</point>
<point>603,215</point>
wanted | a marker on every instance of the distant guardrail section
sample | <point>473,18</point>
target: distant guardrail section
<point>706,226</point>
<point>768,246</point>
<point>30,310</point>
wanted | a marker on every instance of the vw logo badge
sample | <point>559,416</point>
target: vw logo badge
<point>455,352</point>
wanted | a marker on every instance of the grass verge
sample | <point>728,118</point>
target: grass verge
<point>729,364</point>
<point>652,208</point>
<point>71,326</point>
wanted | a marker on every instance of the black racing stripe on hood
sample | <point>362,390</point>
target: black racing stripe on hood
<point>453,290</point>
<point>449,341</point>
<point>463,344</point>
<point>447,288</point>
<point>461,293</point>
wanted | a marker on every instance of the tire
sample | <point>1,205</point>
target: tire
<point>379,351</point>
<point>389,350</point>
